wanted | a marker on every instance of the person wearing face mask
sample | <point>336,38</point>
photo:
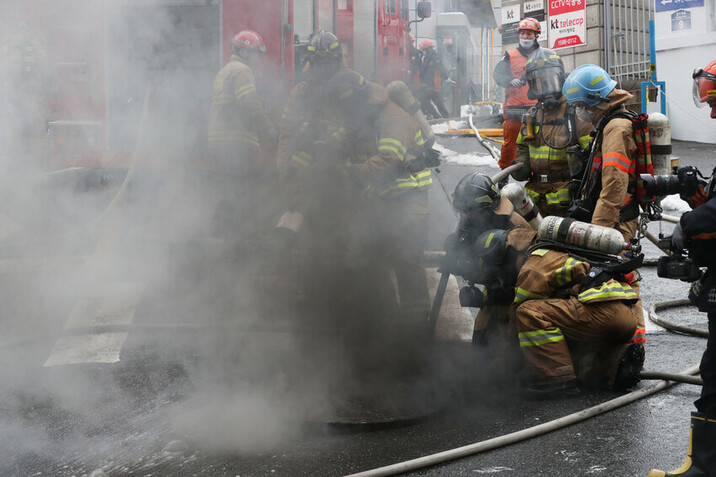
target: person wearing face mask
<point>614,151</point>
<point>608,195</point>
<point>482,208</point>
<point>509,73</point>
<point>543,142</point>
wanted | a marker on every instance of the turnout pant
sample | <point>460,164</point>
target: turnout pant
<point>547,329</point>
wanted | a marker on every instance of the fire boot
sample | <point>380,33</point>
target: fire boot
<point>630,365</point>
<point>701,458</point>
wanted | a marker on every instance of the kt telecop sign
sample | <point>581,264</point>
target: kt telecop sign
<point>567,23</point>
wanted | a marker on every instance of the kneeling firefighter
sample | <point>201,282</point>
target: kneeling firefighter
<point>551,139</point>
<point>576,310</point>
<point>482,209</point>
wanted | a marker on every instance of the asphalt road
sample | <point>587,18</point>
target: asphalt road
<point>108,367</point>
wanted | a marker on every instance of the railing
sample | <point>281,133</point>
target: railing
<point>626,26</point>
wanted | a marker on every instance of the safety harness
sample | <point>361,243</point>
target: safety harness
<point>591,183</point>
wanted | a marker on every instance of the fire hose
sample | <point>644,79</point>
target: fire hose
<point>667,380</point>
<point>519,436</point>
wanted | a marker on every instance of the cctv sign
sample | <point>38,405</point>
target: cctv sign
<point>567,23</point>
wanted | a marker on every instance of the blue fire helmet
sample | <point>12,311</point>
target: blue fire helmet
<point>589,84</point>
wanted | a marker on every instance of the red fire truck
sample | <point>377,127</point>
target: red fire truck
<point>116,62</point>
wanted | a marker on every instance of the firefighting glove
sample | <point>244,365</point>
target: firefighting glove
<point>516,82</point>
<point>677,239</point>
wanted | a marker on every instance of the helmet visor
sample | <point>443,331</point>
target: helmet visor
<point>545,82</point>
<point>704,88</point>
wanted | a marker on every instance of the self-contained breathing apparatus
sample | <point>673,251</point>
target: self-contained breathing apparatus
<point>545,75</point>
<point>599,246</point>
<point>487,260</point>
<point>590,184</point>
<point>477,250</point>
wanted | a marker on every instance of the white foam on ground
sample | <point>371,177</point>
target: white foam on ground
<point>472,159</point>
<point>674,204</point>
<point>443,127</point>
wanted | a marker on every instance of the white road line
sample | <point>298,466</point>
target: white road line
<point>110,304</point>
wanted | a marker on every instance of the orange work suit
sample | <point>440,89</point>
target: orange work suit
<point>516,103</point>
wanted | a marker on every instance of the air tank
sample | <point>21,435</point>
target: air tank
<point>401,95</point>
<point>582,234</point>
<point>522,202</point>
<point>660,139</point>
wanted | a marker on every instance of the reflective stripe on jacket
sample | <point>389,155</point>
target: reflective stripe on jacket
<point>545,160</point>
<point>616,157</point>
<point>547,272</point>
<point>237,117</point>
<point>387,171</point>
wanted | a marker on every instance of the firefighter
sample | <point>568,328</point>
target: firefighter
<point>509,73</point>
<point>557,307</point>
<point>24,100</point>
<point>387,159</point>
<point>594,94</point>
<point>309,148</point>
<point>696,232</point>
<point>432,74</point>
<point>550,130</point>
<point>609,196</point>
<point>307,113</point>
<point>482,208</point>
<point>239,127</point>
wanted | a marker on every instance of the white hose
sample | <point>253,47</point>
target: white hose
<point>670,218</point>
<point>522,435</point>
<point>484,143</point>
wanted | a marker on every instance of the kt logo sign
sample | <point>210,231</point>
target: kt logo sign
<point>554,24</point>
<point>510,14</point>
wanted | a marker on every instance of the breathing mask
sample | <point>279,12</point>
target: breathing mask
<point>583,114</point>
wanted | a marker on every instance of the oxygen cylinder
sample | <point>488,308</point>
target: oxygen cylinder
<point>528,132</point>
<point>660,138</point>
<point>400,94</point>
<point>582,234</point>
<point>522,202</point>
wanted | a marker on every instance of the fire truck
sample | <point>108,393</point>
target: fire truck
<point>131,74</point>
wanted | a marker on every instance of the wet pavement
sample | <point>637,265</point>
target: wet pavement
<point>158,400</point>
